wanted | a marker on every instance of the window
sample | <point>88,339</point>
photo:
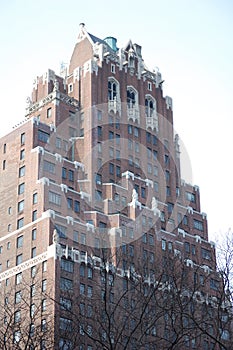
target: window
<point>163,244</point>
<point>151,240</point>
<point>34,234</point>
<point>191,197</point>
<point>22,171</point>
<point>43,325</point>
<point>18,278</point>
<point>66,284</point>
<point>20,223</point>
<point>54,198</point>
<point>83,238</point>
<point>166,159</point>
<point>82,288</point>
<point>49,112</point>
<point>206,254</point>
<point>21,188</point>
<point>98,195</point>
<point>22,154</point>
<point>99,115</point>
<point>44,285</point>
<point>149,106</point>
<point>19,259</point>
<point>33,271</point>
<point>187,247</point>
<point>33,252</point>
<point>58,142</point>
<point>71,175</point>
<point>67,265</point>
<point>44,266</point>
<point>76,206</point>
<point>34,215</point>
<point>69,203</point>
<point>168,191</point>
<point>75,236</point>
<point>198,225</point>
<point>149,168</point>
<point>65,304</point>
<point>118,171</point>
<point>143,192</point>
<point>22,138</point>
<point>89,273</point>
<point>112,90</point>
<point>89,291</point>
<point>111,135</point>
<point>149,86</point>
<point>64,173</point>
<point>130,129</point>
<point>4,148</point>
<point>17,316</point>
<point>43,136</point>
<point>113,68</point>
<point>35,198</point>
<point>111,168</point>
<point>99,131</point>
<point>33,290</point>
<point>49,167</point>
<point>43,305</point>
<point>170,206</point>
<point>136,132</point>
<point>131,97</point>
<point>18,297</point>
<point>20,206</point>
<point>19,243</point>
<point>61,230</point>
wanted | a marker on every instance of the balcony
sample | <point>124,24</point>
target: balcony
<point>133,112</point>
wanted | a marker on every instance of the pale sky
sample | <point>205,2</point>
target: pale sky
<point>190,41</point>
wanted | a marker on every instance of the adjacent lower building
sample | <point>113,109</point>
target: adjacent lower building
<point>102,244</point>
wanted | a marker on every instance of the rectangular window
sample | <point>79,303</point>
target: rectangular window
<point>187,247</point>
<point>18,278</point>
<point>206,254</point>
<point>163,244</point>
<point>34,215</point>
<point>43,285</point>
<point>143,192</point>
<point>111,135</point>
<point>111,168</point>
<point>20,206</point>
<point>148,137</point>
<point>67,265</point>
<point>22,138</point>
<point>54,198</point>
<point>76,206</point>
<point>58,142</point>
<point>66,284</point>
<point>19,243</point>
<point>4,148</point>
<point>22,154</point>
<point>49,167</point>
<point>70,203</point>
<point>64,173</point>
<point>20,223</point>
<point>34,234</point>
<point>49,112</point>
<point>34,198</point>
<point>99,130</point>
<point>18,297</point>
<point>33,252</point>
<point>130,129</point>
<point>136,132</point>
<point>198,225</point>
<point>43,136</point>
<point>75,236</point>
<point>71,175</point>
<point>61,230</point>
<point>65,304</point>
<point>98,196</point>
<point>191,197</point>
<point>19,259</point>
<point>22,171</point>
<point>118,171</point>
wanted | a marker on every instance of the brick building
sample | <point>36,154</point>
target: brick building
<point>94,216</point>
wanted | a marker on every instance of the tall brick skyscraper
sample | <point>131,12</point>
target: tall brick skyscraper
<point>97,228</point>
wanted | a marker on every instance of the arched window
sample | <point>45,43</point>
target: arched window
<point>130,98</point>
<point>149,107</point>
<point>112,90</point>
<point>114,101</point>
<point>132,104</point>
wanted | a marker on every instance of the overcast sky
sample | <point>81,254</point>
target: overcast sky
<point>190,41</point>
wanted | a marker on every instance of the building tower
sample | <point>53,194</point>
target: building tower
<point>97,227</point>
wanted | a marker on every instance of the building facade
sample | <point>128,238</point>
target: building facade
<point>103,245</point>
